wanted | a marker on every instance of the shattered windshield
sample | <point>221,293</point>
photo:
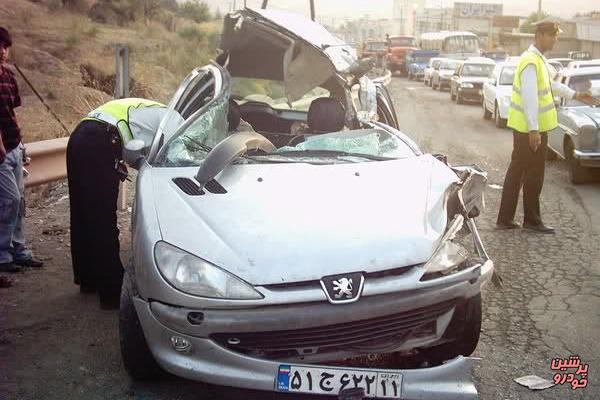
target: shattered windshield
<point>193,144</point>
<point>356,145</point>
<point>244,90</point>
<point>192,147</point>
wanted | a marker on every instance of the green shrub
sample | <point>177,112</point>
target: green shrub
<point>92,31</point>
<point>194,10</point>
<point>72,40</point>
<point>192,33</point>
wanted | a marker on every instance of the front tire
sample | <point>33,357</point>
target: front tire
<point>486,113</point>
<point>137,357</point>
<point>577,173</point>
<point>500,122</point>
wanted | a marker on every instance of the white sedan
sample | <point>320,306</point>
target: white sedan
<point>497,91</point>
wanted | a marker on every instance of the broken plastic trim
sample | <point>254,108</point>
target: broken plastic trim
<point>466,198</point>
<point>229,150</point>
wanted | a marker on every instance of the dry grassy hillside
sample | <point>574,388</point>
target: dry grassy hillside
<point>50,46</point>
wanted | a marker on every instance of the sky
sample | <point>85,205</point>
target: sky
<point>382,8</point>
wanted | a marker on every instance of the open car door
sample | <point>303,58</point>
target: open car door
<point>201,91</point>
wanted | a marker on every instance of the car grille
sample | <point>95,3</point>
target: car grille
<point>344,336</point>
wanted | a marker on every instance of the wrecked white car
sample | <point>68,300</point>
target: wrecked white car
<point>283,254</point>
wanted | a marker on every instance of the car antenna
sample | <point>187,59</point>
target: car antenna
<point>312,8</point>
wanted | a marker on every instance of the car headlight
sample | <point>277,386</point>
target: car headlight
<point>467,85</point>
<point>588,137</point>
<point>448,254</point>
<point>195,276</point>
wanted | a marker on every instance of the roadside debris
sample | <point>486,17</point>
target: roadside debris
<point>534,382</point>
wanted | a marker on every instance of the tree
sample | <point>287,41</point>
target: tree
<point>195,10</point>
<point>527,26</point>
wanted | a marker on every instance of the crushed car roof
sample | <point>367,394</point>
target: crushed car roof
<point>283,46</point>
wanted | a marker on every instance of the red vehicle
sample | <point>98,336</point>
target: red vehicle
<point>398,47</point>
<point>375,49</point>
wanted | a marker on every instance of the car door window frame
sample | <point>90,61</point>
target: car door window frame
<point>162,137</point>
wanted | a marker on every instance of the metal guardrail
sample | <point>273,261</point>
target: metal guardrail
<point>49,161</point>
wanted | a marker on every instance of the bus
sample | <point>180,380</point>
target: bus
<point>451,44</point>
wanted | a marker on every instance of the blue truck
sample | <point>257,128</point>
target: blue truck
<point>416,61</point>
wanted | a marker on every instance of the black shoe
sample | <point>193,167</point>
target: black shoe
<point>10,267</point>
<point>539,228</point>
<point>507,225</point>
<point>30,263</point>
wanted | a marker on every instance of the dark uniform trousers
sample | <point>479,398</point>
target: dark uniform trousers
<point>526,169</point>
<point>93,191</point>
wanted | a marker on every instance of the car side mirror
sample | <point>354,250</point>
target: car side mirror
<point>133,152</point>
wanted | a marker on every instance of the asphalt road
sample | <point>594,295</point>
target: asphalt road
<point>57,344</point>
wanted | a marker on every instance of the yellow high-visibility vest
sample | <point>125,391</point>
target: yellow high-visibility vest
<point>547,115</point>
<point>118,112</point>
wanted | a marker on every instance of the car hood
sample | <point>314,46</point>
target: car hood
<point>593,113</point>
<point>287,47</point>
<point>281,223</point>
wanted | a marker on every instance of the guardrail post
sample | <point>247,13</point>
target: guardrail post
<point>122,91</point>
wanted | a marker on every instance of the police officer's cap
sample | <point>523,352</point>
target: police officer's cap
<point>548,25</point>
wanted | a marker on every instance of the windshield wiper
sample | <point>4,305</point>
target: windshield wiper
<point>330,153</point>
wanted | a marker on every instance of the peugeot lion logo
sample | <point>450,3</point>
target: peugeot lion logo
<point>345,288</point>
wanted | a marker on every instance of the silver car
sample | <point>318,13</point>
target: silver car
<point>283,255</point>
<point>577,138</point>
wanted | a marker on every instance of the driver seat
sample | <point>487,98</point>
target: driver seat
<point>325,115</point>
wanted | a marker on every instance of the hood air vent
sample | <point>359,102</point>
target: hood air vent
<point>215,187</point>
<point>188,186</point>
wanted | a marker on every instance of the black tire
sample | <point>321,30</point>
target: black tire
<point>577,173</point>
<point>137,357</point>
<point>462,332</point>
<point>486,113</point>
<point>500,122</point>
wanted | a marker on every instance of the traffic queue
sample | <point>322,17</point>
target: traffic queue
<point>453,62</point>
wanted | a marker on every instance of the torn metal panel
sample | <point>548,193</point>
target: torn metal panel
<point>275,45</point>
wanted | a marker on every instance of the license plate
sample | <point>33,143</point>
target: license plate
<point>297,379</point>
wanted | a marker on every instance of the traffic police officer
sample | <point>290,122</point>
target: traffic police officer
<point>94,169</point>
<point>532,115</point>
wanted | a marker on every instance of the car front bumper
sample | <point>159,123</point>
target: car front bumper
<point>471,94</point>
<point>588,158</point>
<point>209,360</point>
